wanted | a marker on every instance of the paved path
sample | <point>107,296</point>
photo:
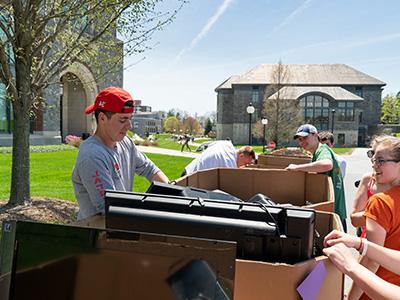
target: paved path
<point>157,150</point>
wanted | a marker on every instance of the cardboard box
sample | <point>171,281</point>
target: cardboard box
<point>262,280</point>
<point>297,188</point>
<point>280,161</point>
<point>48,261</point>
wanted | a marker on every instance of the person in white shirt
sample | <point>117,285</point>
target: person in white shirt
<point>326,137</point>
<point>221,154</point>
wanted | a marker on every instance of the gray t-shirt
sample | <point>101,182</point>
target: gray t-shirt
<point>99,167</point>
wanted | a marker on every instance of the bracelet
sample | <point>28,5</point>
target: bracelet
<point>365,247</point>
<point>359,246</point>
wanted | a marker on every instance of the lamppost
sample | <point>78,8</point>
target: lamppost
<point>264,121</point>
<point>333,119</point>
<point>61,87</point>
<point>250,110</point>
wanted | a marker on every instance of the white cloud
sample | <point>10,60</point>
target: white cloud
<point>290,17</point>
<point>204,31</point>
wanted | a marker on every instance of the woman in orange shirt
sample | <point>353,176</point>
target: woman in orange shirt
<point>382,211</point>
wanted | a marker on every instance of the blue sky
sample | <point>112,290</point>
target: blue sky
<point>211,40</point>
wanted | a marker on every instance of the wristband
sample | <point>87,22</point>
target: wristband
<point>359,246</point>
<point>365,247</point>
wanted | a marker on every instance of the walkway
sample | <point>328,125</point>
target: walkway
<point>157,150</point>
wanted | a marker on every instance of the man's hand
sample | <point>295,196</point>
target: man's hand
<point>292,167</point>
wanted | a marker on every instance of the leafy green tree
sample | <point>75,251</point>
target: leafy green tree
<point>40,39</point>
<point>390,110</point>
<point>172,124</point>
<point>208,126</point>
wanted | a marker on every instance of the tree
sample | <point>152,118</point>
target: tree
<point>390,110</point>
<point>41,38</point>
<point>191,126</point>
<point>208,126</point>
<point>283,114</point>
<point>172,124</point>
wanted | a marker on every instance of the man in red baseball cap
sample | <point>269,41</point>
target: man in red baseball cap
<point>109,159</point>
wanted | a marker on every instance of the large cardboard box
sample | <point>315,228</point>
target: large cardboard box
<point>48,261</point>
<point>256,280</point>
<point>280,161</point>
<point>297,188</point>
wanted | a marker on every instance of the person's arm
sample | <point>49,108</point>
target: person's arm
<point>160,176</point>
<point>360,201</point>
<point>319,166</point>
<point>387,258</point>
<point>371,284</point>
<point>376,234</point>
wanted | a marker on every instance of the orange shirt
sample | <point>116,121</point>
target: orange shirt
<point>384,209</point>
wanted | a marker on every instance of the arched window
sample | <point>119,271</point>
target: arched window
<point>316,111</point>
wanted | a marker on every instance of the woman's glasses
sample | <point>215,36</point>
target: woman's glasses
<point>380,162</point>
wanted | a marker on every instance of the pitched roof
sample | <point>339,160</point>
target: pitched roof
<point>295,92</point>
<point>318,74</point>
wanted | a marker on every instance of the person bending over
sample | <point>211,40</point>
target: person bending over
<point>221,154</point>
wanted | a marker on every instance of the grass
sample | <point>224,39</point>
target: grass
<point>342,150</point>
<point>51,173</point>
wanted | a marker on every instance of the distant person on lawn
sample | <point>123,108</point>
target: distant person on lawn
<point>323,161</point>
<point>221,154</point>
<point>185,142</point>
<point>109,159</point>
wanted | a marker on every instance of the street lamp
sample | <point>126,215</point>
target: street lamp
<point>250,110</point>
<point>61,94</point>
<point>333,119</point>
<point>264,121</point>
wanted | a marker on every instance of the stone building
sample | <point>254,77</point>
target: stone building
<point>328,95</point>
<point>66,99</point>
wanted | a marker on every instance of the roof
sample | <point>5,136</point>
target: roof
<point>295,92</point>
<point>227,83</point>
<point>315,75</point>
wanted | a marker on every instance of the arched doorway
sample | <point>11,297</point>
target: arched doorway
<point>79,89</point>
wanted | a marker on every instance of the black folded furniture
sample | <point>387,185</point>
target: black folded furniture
<point>267,233</point>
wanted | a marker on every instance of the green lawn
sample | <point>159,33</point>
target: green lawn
<point>51,173</point>
<point>342,150</point>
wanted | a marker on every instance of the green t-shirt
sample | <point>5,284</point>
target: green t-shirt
<point>324,152</point>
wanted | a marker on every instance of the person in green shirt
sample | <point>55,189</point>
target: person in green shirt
<point>323,161</point>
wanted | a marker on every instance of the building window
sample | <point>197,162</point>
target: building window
<point>359,91</point>
<point>316,111</point>
<point>341,139</point>
<point>255,94</point>
<point>135,125</point>
<point>345,111</point>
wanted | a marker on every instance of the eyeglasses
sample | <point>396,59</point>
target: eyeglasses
<point>380,162</point>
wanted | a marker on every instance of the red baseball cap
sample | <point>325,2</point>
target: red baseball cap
<point>112,99</point>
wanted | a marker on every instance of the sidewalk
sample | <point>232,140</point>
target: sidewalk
<point>157,150</point>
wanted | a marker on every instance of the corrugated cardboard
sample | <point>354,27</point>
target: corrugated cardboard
<point>280,161</point>
<point>297,188</point>
<point>48,261</point>
<point>261,280</point>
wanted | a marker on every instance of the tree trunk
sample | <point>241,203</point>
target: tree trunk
<point>20,180</point>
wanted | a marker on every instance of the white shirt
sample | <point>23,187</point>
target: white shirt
<point>221,154</point>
